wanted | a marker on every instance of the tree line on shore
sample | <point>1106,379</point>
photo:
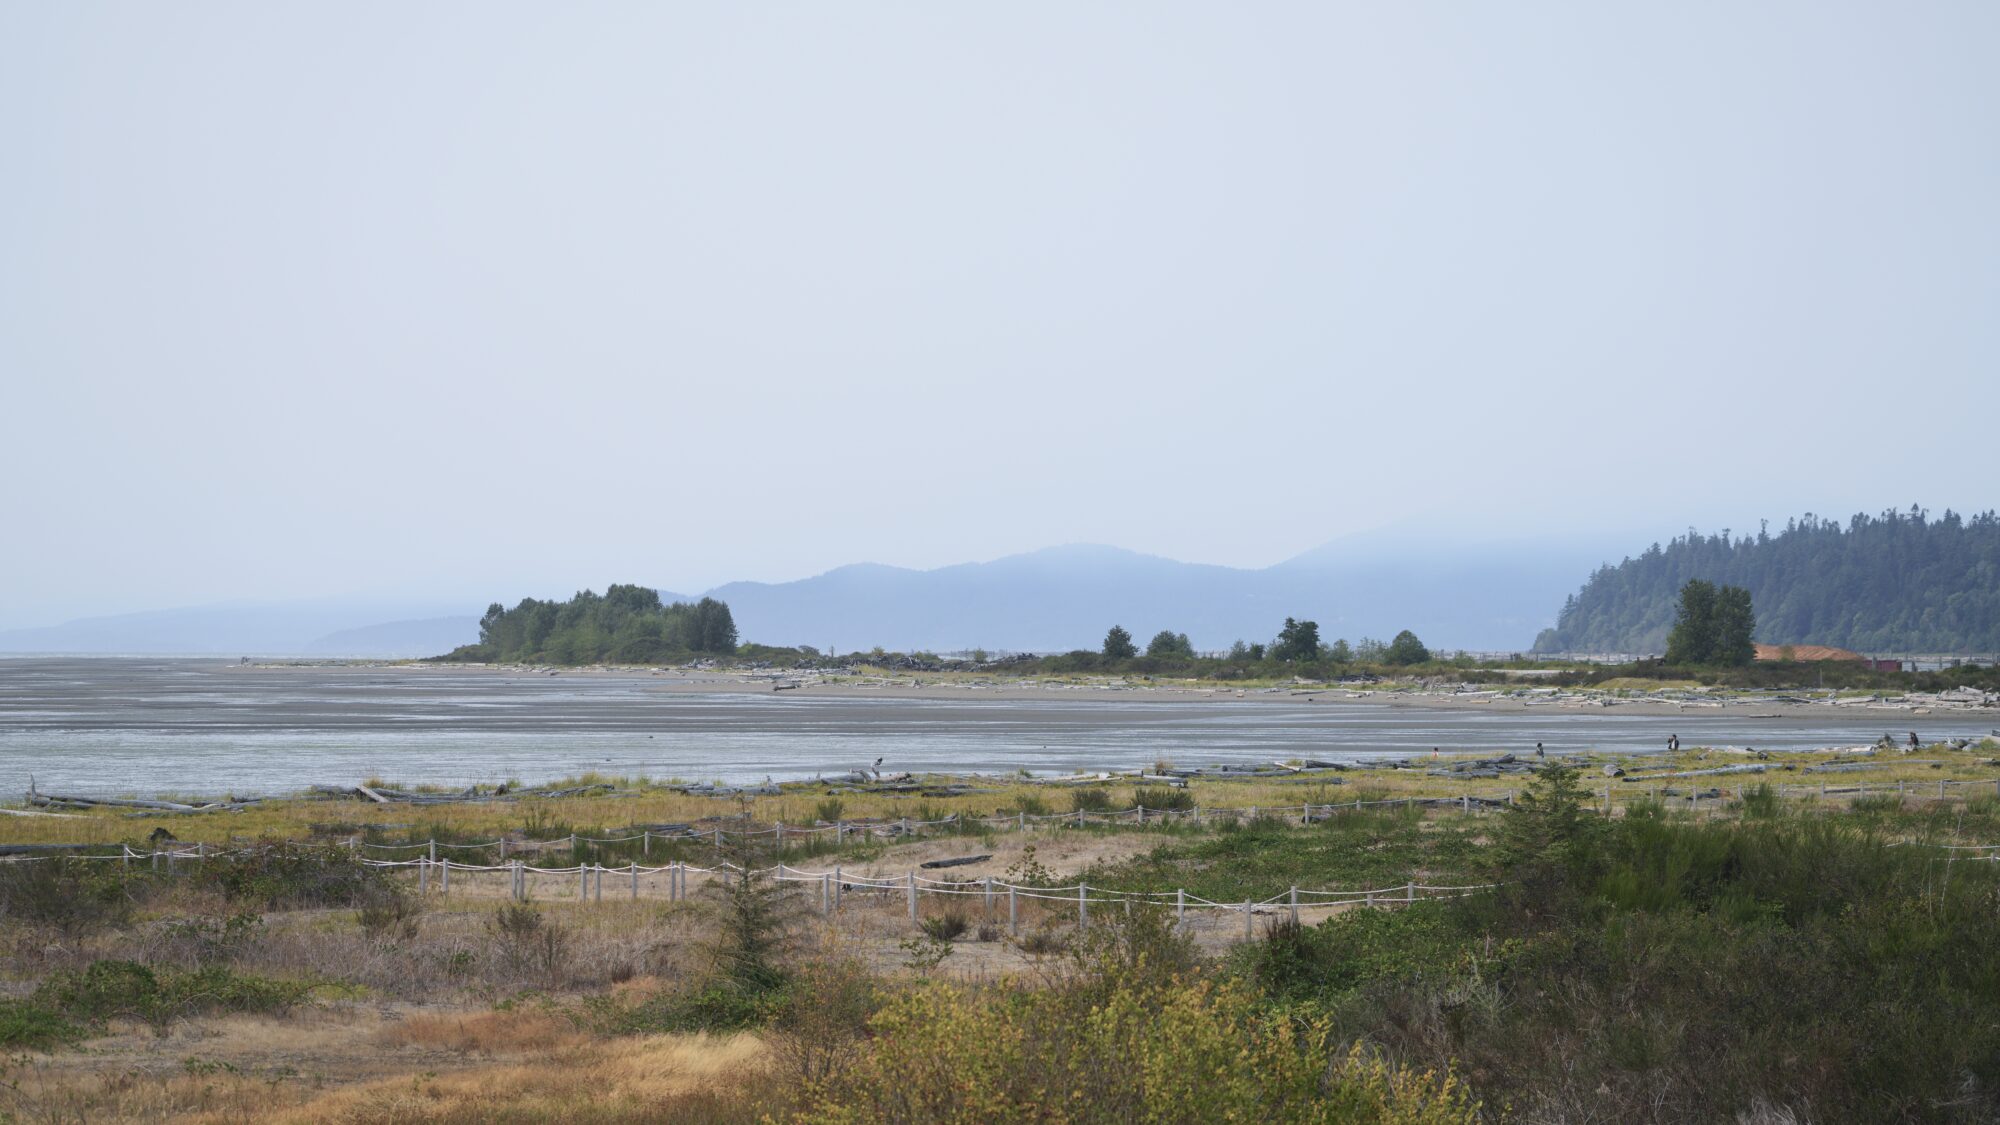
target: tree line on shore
<point>627,624</point>
<point>1897,582</point>
<point>1297,643</point>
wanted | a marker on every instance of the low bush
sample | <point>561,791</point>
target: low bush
<point>947,926</point>
<point>1089,799</point>
<point>25,1025</point>
<point>389,913</point>
<point>819,1030</point>
<point>127,990</point>
<point>1680,971</point>
<point>1195,1052</point>
<point>206,939</point>
<point>1030,804</point>
<point>286,876</point>
<point>528,945</point>
<point>1158,798</point>
<point>76,896</point>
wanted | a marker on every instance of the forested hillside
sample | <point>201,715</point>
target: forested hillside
<point>1898,582</point>
<point>627,625</point>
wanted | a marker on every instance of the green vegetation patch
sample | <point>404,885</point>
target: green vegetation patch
<point>1263,857</point>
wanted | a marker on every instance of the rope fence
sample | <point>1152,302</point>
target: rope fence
<point>833,887</point>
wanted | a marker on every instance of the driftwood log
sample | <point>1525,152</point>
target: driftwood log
<point>961,861</point>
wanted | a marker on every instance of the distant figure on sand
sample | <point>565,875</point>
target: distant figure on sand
<point>1538,751</point>
<point>1913,740</point>
<point>1673,743</point>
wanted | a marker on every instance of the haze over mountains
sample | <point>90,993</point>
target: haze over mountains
<point>1495,596</point>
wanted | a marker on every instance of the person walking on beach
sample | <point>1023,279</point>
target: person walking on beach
<point>1538,751</point>
<point>1913,740</point>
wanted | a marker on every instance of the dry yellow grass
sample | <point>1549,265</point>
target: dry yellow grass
<point>486,1033</point>
<point>656,1078</point>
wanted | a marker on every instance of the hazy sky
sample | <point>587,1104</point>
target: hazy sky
<point>487,299</point>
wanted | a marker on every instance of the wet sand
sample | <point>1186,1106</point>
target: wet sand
<point>109,726</point>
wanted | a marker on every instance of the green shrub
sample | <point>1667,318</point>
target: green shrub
<point>389,913</point>
<point>124,989</point>
<point>1032,805</point>
<point>1091,798</point>
<point>946,926</point>
<point>1156,798</point>
<point>1760,802</point>
<point>285,876</point>
<point>76,896</point>
<point>25,1025</point>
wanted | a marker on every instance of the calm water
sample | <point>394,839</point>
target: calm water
<point>112,726</point>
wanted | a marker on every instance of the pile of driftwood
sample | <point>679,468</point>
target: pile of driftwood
<point>145,808</point>
<point>1484,767</point>
<point>471,793</point>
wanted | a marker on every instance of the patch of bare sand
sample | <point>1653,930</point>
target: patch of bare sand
<point>1064,854</point>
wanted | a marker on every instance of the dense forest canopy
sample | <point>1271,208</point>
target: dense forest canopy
<point>627,625</point>
<point>1897,582</point>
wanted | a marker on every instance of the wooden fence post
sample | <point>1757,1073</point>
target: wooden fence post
<point>825,895</point>
<point>423,875</point>
<point>444,878</point>
<point>1295,906</point>
<point>1082,906</point>
<point>1410,891</point>
<point>837,888</point>
<point>1247,920</point>
<point>1013,913</point>
<point>987,898</point>
<point>1180,907</point>
<point>913,897</point>
<point>583,882</point>
<point>635,880</point>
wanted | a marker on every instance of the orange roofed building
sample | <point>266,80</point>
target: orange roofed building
<point>1805,652</point>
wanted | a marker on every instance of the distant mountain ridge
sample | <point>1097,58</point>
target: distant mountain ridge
<point>1897,582</point>
<point>1492,598</point>
<point>247,629</point>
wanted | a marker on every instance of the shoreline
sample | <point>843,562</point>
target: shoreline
<point>1661,703</point>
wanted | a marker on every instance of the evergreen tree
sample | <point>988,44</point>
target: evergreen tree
<point>1298,640</point>
<point>1118,644</point>
<point>1735,622</point>
<point>1692,640</point>
<point>1549,822</point>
